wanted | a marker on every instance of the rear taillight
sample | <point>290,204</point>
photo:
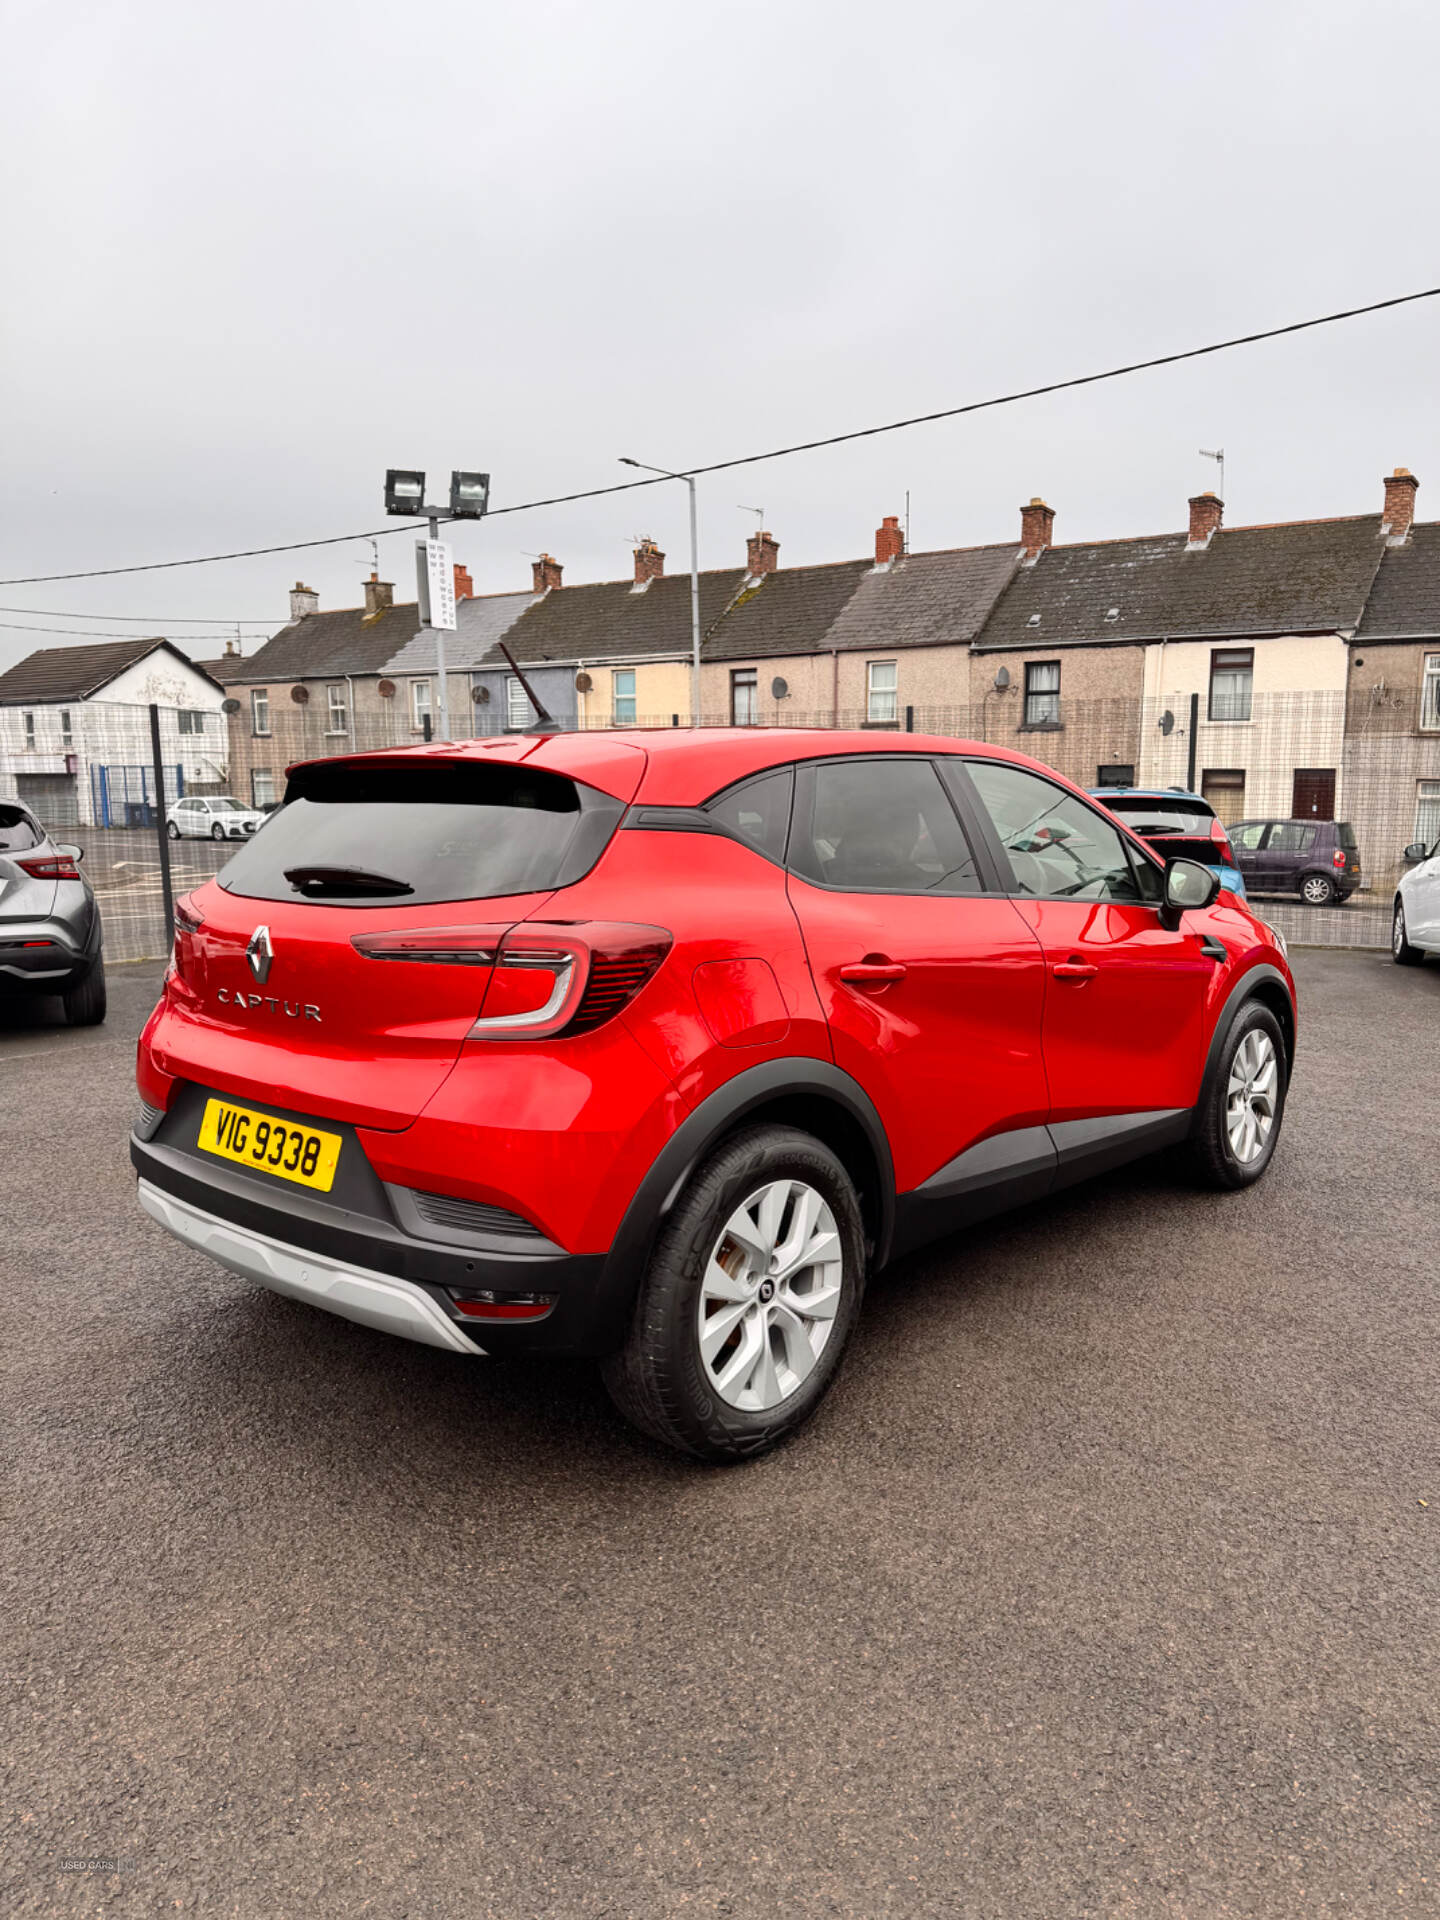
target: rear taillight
<point>1221,841</point>
<point>188,922</point>
<point>51,866</point>
<point>547,976</point>
<point>1339,857</point>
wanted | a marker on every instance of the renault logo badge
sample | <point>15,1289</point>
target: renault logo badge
<point>260,953</point>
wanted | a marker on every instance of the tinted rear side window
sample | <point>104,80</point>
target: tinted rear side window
<point>880,826</point>
<point>758,812</point>
<point>17,830</point>
<point>1345,834</point>
<point>450,832</point>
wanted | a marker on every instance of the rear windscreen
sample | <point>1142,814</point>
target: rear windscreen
<point>1167,815</point>
<point>406,835</point>
<point>16,830</point>
<point>1345,834</point>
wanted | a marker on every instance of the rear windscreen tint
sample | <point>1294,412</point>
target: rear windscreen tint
<point>1345,834</point>
<point>457,831</point>
<point>1162,816</point>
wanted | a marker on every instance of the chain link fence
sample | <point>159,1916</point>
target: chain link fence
<point>98,781</point>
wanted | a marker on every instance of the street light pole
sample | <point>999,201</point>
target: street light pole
<point>689,480</point>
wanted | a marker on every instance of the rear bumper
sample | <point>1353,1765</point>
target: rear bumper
<point>67,956</point>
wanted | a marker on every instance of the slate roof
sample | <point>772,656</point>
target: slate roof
<point>928,599</point>
<point>325,646</point>
<point>479,623</point>
<point>610,621</point>
<point>1312,576</point>
<point>791,611</point>
<point>1405,599</point>
<point>74,673</point>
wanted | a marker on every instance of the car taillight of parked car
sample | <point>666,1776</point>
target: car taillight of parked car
<point>547,977</point>
<point>188,922</point>
<point>1339,857</point>
<point>51,866</point>
<point>1221,841</point>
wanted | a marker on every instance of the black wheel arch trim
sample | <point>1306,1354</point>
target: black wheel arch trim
<point>749,1092</point>
<point>1265,984</point>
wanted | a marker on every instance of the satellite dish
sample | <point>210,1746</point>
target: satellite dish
<point>386,689</point>
<point>1167,722</point>
<point>779,689</point>
<point>583,683</point>
<point>300,695</point>
<point>230,706</point>
<point>480,695</point>
<point>1002,679</point>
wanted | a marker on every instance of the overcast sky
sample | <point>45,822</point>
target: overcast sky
<point>256,254</point>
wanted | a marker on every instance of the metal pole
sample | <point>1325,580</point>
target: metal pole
<point>442,698</point>
<point>694,607</point>
<point>166,889</point>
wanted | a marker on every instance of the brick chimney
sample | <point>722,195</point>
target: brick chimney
<point>649,562</point>
<point>1036,523</point>
<point>1401,486</point>
<point>546,571</point>
<point>303,600</point>
<point>889,541</point>
<point>464,585</point>
<point>762,554</point>
<point>379,596</point>
<point>1205,512</point>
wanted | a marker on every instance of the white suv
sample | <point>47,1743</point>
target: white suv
<point>218,818</point>
<point>1416,929</point>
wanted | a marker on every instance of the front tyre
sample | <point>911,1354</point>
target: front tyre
<point>749,1299</point>
<point>173,831</point>
<point>1238,1124</point>
<point>1401,951</point>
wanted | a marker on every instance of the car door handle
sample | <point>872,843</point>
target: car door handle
<point>872,973</point>
<point>1077,970</point>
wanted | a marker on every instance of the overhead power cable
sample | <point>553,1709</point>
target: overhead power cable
<point>143,619</point>
<point>753,459</point>
<point>90,633</point>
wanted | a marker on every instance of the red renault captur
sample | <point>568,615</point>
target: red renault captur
<point>651,1046</point>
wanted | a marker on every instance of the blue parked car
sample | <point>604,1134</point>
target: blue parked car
<point>1175,822</point>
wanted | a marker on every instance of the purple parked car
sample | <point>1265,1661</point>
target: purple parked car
<point>1318,859</point>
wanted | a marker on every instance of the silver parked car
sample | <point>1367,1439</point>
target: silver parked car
<point>49,922</point>
<point>217,817</point>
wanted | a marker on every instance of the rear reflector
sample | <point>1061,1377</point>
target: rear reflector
<point>53,866</point>
<point>480,1303</point>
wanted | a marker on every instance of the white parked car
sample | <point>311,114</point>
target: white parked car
<point>1416,929</point>
<point>216,818</point>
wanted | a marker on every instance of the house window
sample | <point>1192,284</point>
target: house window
<point>622,697</point>
<point>419,704</point>
<point>1224,788</point>
<point>190,720</point>
<point>260,709</point>
<point>1042,693</point>
<point>29,729</point>
<point>67,738</point>
<point>262,787</point>
<point>744,697</point>
<point>1232,673</point>
<point>1430,694</point>
<point>1427,811</point>
<point>881,685</point>
<point>339,721</point>
<point>517,707</point>
<point>1115,773</point>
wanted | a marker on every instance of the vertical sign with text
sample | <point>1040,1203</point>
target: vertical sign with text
<point>440,584</point>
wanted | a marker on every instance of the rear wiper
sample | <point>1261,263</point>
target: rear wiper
<point>316,880</point>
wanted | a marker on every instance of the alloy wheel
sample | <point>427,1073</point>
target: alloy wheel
<point>769,1296</point>
<point>1250,1096</point>
<point>1317,891</point>
<point>1397,931</point>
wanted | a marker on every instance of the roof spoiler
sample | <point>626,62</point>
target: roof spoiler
<point>545,721</point>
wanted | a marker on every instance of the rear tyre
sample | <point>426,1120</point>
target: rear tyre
<point>749,1299</point>
<point>217,832</point>
<point>84,1003</point>
<point>173,831</point>
<point>1401,951</point>
<point>1238,1124</point>
<point>1317,890</point>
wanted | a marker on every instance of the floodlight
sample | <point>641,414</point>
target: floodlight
<point>404,491</point>
<point>469,495</point>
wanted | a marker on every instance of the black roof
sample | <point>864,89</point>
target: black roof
<point>610,620</point>
<point>1405,599</point>
<point>1312,576</point>
<point>74,673</point>
<point>328,645</point>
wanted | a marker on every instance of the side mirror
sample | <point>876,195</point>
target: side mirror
<point>1187,885</point>
<point>71,853</point>
<point>1414,853</point>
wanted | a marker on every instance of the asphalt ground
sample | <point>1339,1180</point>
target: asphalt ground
<point>1104,1583</point>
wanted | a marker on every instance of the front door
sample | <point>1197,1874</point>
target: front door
<point>1313,794</point>
<point>933,988</point>
<point>1124,997</point>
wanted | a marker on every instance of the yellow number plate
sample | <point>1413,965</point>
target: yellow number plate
<point>303,1154</point>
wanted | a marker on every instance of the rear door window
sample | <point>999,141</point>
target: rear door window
<point>1291,836</point>
<point>351,834</point>
<point>880,826</point>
